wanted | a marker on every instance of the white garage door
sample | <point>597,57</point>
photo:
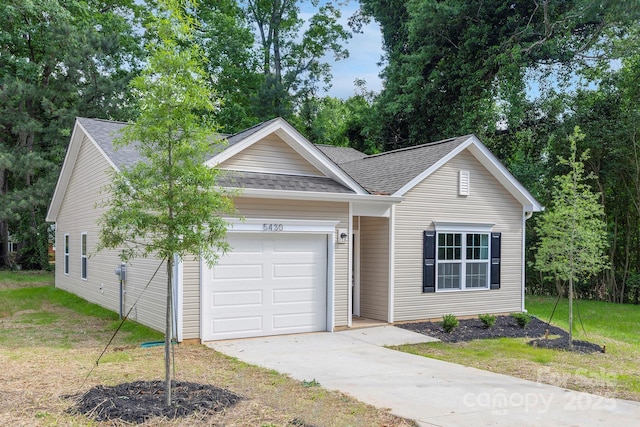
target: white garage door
<point>268,284</point>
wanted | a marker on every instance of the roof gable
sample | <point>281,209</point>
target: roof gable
<point>270,155</point>
<point>396,172</point>
<point>103,130</point>
<point>274,133</point>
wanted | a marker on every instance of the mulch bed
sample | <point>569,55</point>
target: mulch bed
<point>505,327</point>
<point>137,402</point>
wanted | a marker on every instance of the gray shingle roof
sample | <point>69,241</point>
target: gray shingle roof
<point>271,181</point>
<point>386,173</point>
<point>341,155</point>
<point>379,174</point>
<point>104,132</point>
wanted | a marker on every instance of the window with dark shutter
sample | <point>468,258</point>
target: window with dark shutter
<point>460,257</point>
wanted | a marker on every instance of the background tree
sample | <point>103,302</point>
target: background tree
<point>58,60</point>
<point>458,67</point>
<point>292,57</point>
<point>169,205</point>
<point>231,62</point>
<point>572,231</point>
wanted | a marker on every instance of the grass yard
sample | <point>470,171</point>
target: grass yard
<point>612,374</point>
<point>50,340</point>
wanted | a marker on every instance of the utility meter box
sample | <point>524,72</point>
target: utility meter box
<point>121,271</point>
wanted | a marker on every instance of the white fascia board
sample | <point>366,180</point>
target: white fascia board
<point>65,172</point>
<point>257,225</point>
<point>366,208</point>
<point>299,144</point>
<point>313,195</point>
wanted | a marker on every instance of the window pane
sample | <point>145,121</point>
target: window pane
<point>449,276</point>
<point>476,275</point>
<point>84,244</point>
<point>477,246</point>
<point>449,246</point>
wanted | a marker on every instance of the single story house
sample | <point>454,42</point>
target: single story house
<point>329,234</point>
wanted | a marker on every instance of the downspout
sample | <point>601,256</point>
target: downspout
<point>526,216</point>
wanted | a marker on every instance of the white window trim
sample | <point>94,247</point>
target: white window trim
<point>463,229</point>
<point>66,259</point>
<point>84,272</point>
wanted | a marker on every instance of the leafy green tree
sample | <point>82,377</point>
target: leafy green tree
<point>58,60</point>
<point>460,66</point>
<point>231,62</point>
<point>572,231</point>
<point>169,205</point>
<point>292,57</point>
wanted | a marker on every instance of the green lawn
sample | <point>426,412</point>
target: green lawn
<point>602,319</point>
<point>50,341</point>
<point>614,373</point>
<point>38,306</point>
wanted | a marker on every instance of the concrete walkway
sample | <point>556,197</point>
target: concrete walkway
<point>431,392</point>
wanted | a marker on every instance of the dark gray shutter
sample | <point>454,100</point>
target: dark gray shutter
<point>429,262</point>
<point>495,260</point>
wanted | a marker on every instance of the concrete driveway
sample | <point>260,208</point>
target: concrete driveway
<point>431,392</point>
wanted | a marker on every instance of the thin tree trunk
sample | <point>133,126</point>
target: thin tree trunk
<point>570,312</point>
<point>5,261</point>
<point>168,333</point>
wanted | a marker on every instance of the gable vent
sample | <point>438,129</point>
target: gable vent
<point>464,182</point>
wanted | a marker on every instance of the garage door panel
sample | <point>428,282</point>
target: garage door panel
<point>238,272</point>
<point>295,295</point>
<point>280,288</point>
<point>307,270</point>
<point>233,325</point>
<point>310,245</point>
<point>237,298</point>
<point>298,322</point>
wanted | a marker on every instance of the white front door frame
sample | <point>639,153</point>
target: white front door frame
<point>356,272</point>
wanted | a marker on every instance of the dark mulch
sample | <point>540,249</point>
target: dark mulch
<point>505,327</point>
<point>139,401</point>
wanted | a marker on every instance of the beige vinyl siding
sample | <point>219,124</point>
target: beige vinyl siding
<point>437,199</point>
<point>191,298</point>
<point>292,209</point>
<point>374,268</point>
<point>79,212</point>
<point>270,155</point>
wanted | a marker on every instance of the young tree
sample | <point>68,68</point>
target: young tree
<point>572,231</point>
<point>169,205</point>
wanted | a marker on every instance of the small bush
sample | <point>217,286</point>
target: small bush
<point>449,323</point>
<point>522,319</point>
<point>488,320</point>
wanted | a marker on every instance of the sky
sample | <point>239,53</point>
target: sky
<point>365,52</point>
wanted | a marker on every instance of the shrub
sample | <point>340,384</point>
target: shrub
<point>488,320</point>
<point>522,319</point>
<point>449,323</point>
